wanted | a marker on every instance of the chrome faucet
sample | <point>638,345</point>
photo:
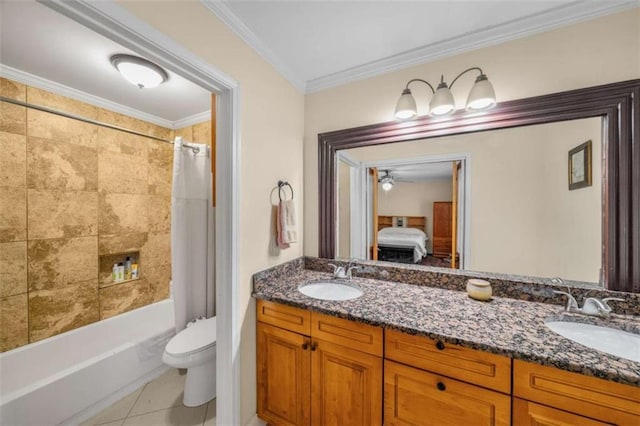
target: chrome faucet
<point>343,272</point>
<point>591,305</point>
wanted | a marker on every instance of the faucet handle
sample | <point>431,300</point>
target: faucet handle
<point>352,268</point>
<point>572,303</point>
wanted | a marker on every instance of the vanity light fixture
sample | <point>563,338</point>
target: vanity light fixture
<point>481,96</point>
<point>139,71</point>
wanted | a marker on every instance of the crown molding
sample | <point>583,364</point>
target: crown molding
<point>236,25</point>
<point>201,117</point>
<point>558,17</point>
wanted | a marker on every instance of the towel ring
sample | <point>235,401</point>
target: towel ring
<point>281,185</point>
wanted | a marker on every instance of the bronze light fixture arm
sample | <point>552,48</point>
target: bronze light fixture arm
<point>464,72</point>
<point>423,81</point>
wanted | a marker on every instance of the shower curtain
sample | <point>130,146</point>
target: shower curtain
<point>191,233</point>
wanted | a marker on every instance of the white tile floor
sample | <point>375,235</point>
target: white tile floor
<point>157,403</point>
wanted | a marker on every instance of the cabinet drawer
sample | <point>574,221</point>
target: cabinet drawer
<point>477,367</point>
<point>526,413</point>
<point>283,316</point>
<point>589,396</point>
<point>416,397</point>
<point>354,335</point>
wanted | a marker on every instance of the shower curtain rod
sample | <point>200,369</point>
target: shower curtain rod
<point>91,121</point>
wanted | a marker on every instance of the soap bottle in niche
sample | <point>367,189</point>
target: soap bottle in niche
<point>120,276</point>
<point>114,273</point>
<point>127,268</point>
<point>134,270</point>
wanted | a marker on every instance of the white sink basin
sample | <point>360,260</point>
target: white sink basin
<point>615,342</point>
<point>330,290</point>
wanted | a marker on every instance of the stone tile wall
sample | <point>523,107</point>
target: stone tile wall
<point>71,193</point>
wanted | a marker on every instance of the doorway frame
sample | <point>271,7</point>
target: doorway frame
<point>465,158</point>
<point>115,23</point>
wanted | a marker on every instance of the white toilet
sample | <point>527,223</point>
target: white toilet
<point>194,348</point>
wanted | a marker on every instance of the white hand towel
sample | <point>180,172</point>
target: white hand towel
<point>288,218</point>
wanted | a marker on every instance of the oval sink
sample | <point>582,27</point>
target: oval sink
<point>615,342</point>
<point>330,290</point>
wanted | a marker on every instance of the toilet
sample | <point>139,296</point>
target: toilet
<point>194,348</point>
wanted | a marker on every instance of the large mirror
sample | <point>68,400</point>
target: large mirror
<point>495,201</point>
<point>542,187</point>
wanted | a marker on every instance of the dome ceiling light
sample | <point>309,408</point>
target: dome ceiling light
<point>141,72</point>
<point>481,97</point>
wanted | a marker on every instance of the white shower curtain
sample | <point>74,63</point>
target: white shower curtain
<point>191,233</point>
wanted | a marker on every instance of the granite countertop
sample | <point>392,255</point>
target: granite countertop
<point>503,326</point>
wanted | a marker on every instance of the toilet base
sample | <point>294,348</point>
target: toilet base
<point>200,386</point>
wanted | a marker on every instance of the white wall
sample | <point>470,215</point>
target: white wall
<point>272,126</point>
<point>601,51</point>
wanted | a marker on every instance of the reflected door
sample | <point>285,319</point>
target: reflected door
<point>373,184</point>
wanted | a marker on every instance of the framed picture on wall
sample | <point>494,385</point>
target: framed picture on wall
<point>580,166</point>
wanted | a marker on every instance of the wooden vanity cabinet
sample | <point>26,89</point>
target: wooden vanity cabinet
<point>328,375</point>
<point>590,397</point>
<point>443,384</point>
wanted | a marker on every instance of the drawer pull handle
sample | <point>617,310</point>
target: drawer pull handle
<point>440,345</point>
<point>314,346</point>
<point>305,345</point>
<point>441,386</point>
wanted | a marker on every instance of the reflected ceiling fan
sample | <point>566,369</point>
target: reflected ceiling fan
<point>387,180</point>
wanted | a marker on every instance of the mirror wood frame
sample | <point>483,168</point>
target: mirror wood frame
<point>617,103</point>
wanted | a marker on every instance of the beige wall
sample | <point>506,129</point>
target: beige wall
<point>596,52</point>
<point>414,199</point>
<point>75,198</point>
<point>272,130</point>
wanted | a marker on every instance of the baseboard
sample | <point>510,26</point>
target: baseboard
<point>94,409</point>
<point>256,421</point>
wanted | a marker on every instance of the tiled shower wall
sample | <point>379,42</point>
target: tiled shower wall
<point>71,193</point>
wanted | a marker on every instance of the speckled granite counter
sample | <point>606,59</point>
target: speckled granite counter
<point>505,326</point>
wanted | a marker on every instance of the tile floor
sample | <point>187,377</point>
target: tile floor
<point>157,403</point>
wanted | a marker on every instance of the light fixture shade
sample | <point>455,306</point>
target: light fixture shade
<point>406,107</point>
<point>442,102</point>
<point>387,185</point>
<point>482,95</point>
<point>139,71</point>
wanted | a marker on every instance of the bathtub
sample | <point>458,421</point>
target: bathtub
<point>72,376</point>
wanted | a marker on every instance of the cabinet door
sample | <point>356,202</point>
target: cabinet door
<point>346,386</point>
<point>284,388</point>
<point>526,413</point>
<point>416,397</point>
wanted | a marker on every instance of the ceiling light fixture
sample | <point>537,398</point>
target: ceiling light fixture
<point>387,181</point>
<point>481,96</point>
<point>141,72</point>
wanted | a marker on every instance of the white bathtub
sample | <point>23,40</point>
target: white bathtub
<point>71,376</point>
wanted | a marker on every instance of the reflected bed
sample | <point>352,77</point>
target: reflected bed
<point>402,238</point>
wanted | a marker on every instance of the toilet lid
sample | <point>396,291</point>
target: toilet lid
<point>195,338</point>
